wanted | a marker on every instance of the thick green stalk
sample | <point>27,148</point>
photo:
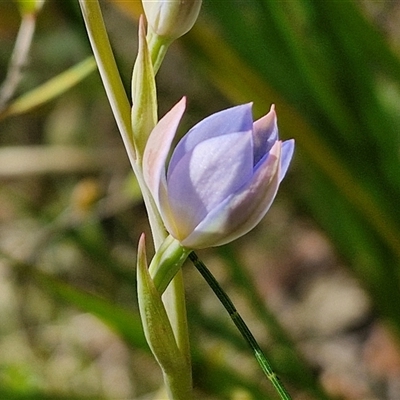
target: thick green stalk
<point>174,297</point>
<point>108,70</point>
<point>119,103</point>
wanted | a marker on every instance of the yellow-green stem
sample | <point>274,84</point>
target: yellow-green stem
<point>158,47</point>
<point>174,298</point>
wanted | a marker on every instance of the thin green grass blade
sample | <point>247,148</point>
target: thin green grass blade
<point>50,89</point>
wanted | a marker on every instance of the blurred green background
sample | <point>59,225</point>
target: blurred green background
<point>317,281</point>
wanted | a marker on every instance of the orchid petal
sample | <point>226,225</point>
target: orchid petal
<point>234,119</point>
<point>287,154</point>
<point>223,175</point>
<point>206,176</point>
<point>242,211</point>
<point>157,149</point>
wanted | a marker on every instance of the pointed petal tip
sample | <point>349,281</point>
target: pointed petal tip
<point>286,156</point>
<point>288,146</point>
<point>181,103</point>
<point>141,255</point>
<point>142,26</point>
<point>268,119</point>
<point>177,110</point>
<point>141,20</point>
<point>272,110</point>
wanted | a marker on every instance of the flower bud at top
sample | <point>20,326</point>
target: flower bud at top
<point>171,19</point>
<point>30,6</point>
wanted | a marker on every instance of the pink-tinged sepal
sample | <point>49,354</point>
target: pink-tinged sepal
<point>158,147</point>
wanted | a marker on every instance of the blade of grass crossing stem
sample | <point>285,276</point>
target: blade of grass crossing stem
<point>241,325</point>
<point>50,89</point>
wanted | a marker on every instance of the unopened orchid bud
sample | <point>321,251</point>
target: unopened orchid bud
<point>222,177</point>
<point>171,19</point>
<point>30,6</point>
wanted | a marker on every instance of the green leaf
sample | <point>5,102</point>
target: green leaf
<point>159,333</point>
<point>144,97</point>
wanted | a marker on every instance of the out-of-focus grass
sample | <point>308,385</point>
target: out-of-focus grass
<point>68,236</point>
<point>326,66</point>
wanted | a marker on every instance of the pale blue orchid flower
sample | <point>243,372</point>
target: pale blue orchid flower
<point>222,177</point>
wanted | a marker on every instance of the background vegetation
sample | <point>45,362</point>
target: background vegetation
<point>317,281</point>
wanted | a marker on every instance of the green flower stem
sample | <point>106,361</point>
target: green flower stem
<point>176,388</point>
<point>158,47</point>
<point>119,103</point>
<point>160,334</point>
<point>165,270</point>
<point>241,325</point>
<point>108,70</point>
<point>174,297</point>
<point>175,304</point>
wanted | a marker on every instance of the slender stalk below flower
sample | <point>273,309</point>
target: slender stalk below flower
<point>158,49</point>
<point>241,325</point>
<point>175,304</point>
